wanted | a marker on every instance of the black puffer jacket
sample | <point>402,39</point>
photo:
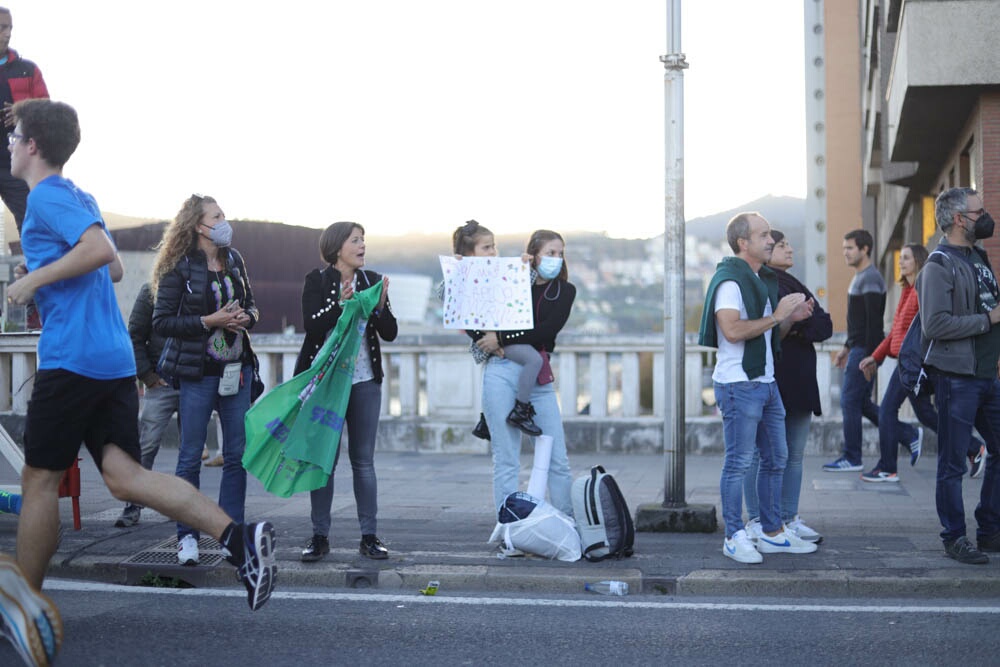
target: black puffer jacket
<point>180,305</point>
<point>147,345</point>
<point>321,310</point>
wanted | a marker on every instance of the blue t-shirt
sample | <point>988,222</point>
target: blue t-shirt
<point>82,328</point>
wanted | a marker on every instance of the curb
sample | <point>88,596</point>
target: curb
<point>854,584</point>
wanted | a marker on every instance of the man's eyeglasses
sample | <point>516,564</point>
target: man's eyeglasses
<point>12,137</point>
<point>978,213</point>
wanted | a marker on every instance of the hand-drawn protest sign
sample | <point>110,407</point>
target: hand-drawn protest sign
<point>487,293</point>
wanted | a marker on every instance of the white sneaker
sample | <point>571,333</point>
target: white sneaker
<point>804,532</point>
<point>187,550</point>
<point>785,542</point>
<point>741,549</point>
<point>754,531</point>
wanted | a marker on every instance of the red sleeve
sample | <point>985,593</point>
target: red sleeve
<point>907,310</point>
<point>38,87</point>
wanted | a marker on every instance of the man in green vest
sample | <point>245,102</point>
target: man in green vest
<point>741,314</point>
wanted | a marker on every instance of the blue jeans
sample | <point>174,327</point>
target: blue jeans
<point>198,399</point>
<point>361,421</point>
<point>499,389</point>
<point>855,402</point>
<point>753,419</point>
<point>893,433</point>
<point>796,436</point>
<point>963,402</point>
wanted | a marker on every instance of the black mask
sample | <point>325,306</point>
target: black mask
<point>983,227</point>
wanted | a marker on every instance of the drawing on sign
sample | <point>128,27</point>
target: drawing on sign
<point>486,293</point>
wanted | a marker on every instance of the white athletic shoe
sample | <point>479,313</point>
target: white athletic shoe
<point>741,549</point>
<point>804,532</point>
<point>187,550</point>
<point>785,542</point>
<point>754,531</point>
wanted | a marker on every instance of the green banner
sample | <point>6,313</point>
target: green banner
<point>294,430</point>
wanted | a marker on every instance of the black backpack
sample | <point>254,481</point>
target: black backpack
<point>602,517</point>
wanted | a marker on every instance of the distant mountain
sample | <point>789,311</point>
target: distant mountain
<point>784,213</point>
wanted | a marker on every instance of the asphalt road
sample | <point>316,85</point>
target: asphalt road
<point>118,627</point>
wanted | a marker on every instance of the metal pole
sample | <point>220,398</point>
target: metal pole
<point>673,276</point>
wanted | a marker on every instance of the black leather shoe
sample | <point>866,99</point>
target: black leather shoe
<point>372,547</point>
<point>482,430</point>
<point>521,416</point>
<point>316,548</point>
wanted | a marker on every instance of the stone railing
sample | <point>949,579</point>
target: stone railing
<point>611,389</point>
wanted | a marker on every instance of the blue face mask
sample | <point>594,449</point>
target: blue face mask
<point>549,267</point>
<point>221,235</point>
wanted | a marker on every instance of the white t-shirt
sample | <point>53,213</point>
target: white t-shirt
<point>729,358</point>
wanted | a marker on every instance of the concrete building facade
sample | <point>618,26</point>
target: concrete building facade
<point>931,112</point>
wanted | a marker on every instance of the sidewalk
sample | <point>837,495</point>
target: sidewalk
<point>881,540</point>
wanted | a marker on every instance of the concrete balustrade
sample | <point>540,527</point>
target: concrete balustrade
<point>611,389</point>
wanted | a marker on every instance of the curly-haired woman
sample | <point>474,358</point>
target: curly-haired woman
<point>205,306</point>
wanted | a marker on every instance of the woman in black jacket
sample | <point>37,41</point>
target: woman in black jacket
<point>342,247</point>
<point>795,373</point>
<point>204,307</point>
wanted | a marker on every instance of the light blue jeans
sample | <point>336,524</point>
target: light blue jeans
<point>499,389</point>
<point>796,436</point>
<point>753,419</point>
<point>198,399</point>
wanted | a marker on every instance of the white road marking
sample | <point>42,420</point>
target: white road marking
<point>86,586</point>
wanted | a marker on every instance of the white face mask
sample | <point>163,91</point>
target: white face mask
<point>549,267</point>
<point>221,235</point>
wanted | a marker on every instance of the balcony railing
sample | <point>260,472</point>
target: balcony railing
<point>433,378</point>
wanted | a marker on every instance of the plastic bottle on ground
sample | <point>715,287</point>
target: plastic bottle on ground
<point>608,587</point>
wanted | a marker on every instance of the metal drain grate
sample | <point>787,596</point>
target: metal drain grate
<point>161,560</point>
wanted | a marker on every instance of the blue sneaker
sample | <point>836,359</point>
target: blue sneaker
<point>29,619</point>
<point>915,447</point>
<point>258,570</point>
<point>842,465</point>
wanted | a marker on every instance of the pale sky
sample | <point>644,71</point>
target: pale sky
<point>410,115</point>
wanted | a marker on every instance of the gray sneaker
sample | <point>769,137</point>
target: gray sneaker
<point>964,551</point>
<point>129,516</point>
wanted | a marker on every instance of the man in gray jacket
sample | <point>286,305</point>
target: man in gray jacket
<point>959,310</point>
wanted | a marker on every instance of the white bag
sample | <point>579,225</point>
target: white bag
<point>545,532</point>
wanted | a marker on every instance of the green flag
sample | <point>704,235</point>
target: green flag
<point>294,430</point>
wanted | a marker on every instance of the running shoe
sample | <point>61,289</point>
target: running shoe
<point>29,619</point>
<point>977,463</point>
<point>258,570</point>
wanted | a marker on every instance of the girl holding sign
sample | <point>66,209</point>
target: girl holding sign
<point>474,240</point>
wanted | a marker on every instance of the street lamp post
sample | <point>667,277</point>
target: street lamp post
<point>673,255</point>
<point>674,514</point>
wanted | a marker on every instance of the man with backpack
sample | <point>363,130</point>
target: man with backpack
<point>959,310</point>
<point>741,316</point>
